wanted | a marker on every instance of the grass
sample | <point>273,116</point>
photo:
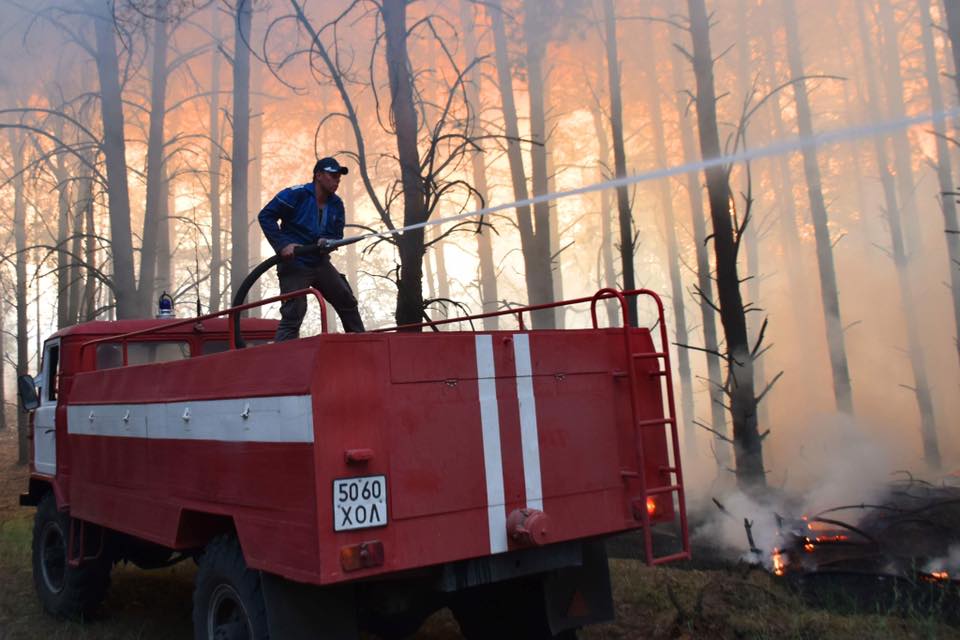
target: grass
<point>663,602</point>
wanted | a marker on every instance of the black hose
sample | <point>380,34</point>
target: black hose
<point>266,265</point>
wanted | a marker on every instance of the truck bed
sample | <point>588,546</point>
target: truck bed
<point>466,429</point>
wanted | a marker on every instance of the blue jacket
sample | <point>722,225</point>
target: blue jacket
<point>292,217</point>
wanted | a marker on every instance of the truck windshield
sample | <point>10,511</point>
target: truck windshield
<point>110,354</point>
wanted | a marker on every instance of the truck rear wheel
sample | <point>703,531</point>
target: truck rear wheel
<point>65,591</point>
<point>228,599</point>
<point>508,609</point>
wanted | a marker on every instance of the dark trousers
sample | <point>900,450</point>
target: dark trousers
<point>331,284</point>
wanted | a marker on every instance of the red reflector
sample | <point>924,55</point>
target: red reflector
<point>361,556</point>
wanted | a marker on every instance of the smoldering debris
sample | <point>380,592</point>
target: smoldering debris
<point>899,554</point>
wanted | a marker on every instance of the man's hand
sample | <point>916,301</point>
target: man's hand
<point>287,252</point>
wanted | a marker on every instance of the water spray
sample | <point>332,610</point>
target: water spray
<point>776,149</point>
<point>788,146</point>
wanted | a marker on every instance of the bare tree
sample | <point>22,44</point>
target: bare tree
<point>952,9</point>
<point>487,276</point>
<point>240,153</point>
<point>429,154</point>
<point>619,155</point>
<point>215,154</point>
<point>747,441</point>
<point>538,273</point>
<point>921,387</point>
<point>673,253</point>
<point>114,152</point>
<point>17,145</point>
<point>948,204</point>
<point>829,295</point>
<point>704,287</point>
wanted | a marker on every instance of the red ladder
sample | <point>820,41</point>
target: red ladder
<point>675,472</point>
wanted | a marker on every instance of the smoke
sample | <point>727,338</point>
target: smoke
<point>949,563</point>
<point>837,462</point>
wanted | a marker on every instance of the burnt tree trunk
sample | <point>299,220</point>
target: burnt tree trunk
<point>537,272</point>
<point>403,111</point>
<point>240,152</point>
<point>114,152</point>
<point>20,267</point>
<point>156,188</point>
<point>535,27</point>
<point>164,277</point>
<point>254,233</point>
<point>748,445</point>
<point>619,156</point>
<point>948,203</point>
<point>89,253</point>
<point>673,252</point>
<point>787,219</point>
<point>488,275</point>
<point>553,215</point>
<point>751,239</point>
<point>3,364</point>
<point>608,274</point>
<point>829,296</point>
<point>76,278</point>
<point>903,165</point>
<point>718,421</point>
<point>952,8</point>
<point>921,387</point>
<point>213,162</point>
<point>64,284</point>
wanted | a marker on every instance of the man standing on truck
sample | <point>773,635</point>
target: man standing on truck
<point>309,214</point>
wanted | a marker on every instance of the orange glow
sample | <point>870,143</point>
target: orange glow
<point>651,507</point>
<point>779,562</point>
<point>808,546</point>
<point>836,538</point>
<point>940,575</point>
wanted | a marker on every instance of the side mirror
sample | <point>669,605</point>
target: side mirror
<point>27,392</point>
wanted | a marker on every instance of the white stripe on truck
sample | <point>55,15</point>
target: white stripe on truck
<point>279,419</point>
<point>529,438</point>
<point>492,460</point>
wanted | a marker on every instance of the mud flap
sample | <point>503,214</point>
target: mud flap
<point>297,611</point>
<point>579,596</point>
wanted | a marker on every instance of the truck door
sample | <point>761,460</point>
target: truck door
<point>45,417</point>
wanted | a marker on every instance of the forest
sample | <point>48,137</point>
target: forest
<point>783,173</point>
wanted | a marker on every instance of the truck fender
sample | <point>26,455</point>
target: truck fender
<point>298,611</point>
<point>37,488</point>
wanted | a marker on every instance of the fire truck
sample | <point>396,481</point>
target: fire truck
<point>342,483</point>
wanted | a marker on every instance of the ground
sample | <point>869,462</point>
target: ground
<point>668,602</point>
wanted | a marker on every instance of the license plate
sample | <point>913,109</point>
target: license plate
<point>359,503</point>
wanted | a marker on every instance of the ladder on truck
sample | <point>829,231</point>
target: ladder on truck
<point>673,469</point>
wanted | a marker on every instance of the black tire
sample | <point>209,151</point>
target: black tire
<point>228,599</point>
<point>502,610</point>
<point>64,591</point>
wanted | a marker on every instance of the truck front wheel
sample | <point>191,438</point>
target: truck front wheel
<point>228,599</point>
<point>66,591</point>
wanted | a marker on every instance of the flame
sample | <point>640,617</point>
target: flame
<point>779,562</point>
<point>808,546</point>
<point>836,538</point>
<point>940,575</point>
<point>651,506</point>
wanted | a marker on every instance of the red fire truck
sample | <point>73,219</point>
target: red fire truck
<point>347,482</point>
